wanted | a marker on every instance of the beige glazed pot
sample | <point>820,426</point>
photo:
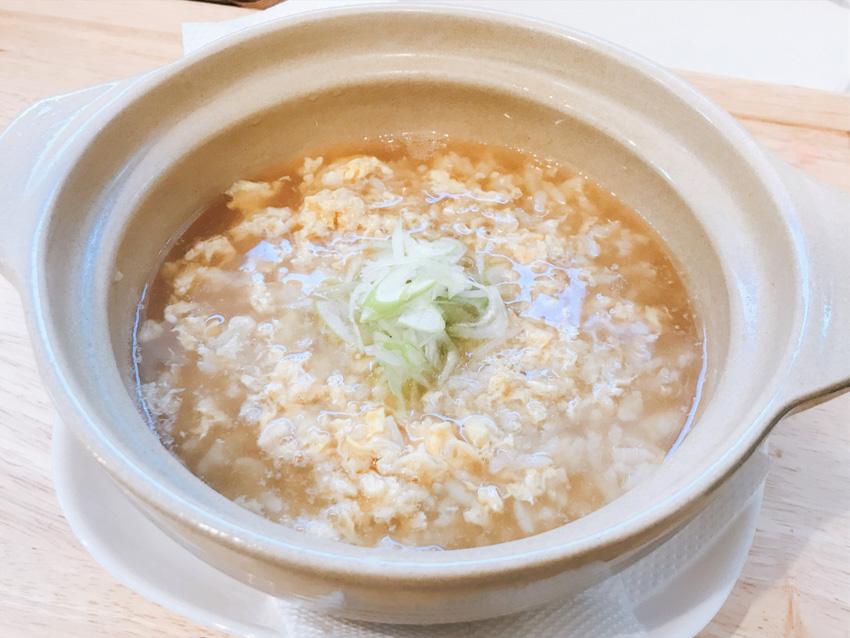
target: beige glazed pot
<point>96,183</point>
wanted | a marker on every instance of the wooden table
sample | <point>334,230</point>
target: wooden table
<point>797,580</point>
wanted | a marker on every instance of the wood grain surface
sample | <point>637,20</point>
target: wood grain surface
<point>796,582</point>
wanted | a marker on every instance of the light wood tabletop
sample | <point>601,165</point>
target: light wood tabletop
<point>796,582</point>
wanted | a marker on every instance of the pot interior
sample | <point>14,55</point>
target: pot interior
<point>179,138</point>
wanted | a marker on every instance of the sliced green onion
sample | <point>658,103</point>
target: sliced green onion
<point>335,320</point>
<point>407,306</point>
<point>427,319</point>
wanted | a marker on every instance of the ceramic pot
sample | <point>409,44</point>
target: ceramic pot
<point>97,182</point>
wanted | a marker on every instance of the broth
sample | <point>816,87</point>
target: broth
<point>574,381</point>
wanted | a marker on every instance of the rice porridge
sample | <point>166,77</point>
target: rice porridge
<point>440,348</point>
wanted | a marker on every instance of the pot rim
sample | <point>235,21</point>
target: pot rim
<point>342,561</point>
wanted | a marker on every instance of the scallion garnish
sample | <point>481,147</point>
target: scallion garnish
<point>408,306</point>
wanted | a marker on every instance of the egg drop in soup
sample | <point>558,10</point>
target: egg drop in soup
<point>391,347</point>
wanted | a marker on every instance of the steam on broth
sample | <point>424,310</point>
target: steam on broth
<point>449,347</point>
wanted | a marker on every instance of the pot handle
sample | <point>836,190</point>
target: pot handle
<point>30,148</point>
<point>821,369</point>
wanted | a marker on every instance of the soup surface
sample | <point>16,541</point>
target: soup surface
<point>408,345</point>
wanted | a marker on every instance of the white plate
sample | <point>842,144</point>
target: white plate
<point>672,602</point>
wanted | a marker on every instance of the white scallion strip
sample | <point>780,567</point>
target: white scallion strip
<point>407,306</point>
